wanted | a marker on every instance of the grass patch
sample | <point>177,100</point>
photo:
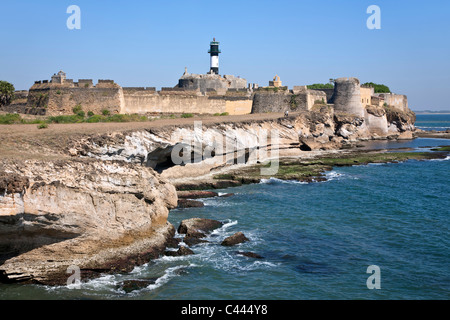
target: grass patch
<point>187,115</point>
<point>94,119</point>
<point>313,170</point>
<point>66,119</point>
<point>42,126</point>
<point>443,148</point>
<point>10,118</point>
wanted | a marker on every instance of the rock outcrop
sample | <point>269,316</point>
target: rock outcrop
<point>235,239</point>
<point>190,151</point>
<point>196,229</point>
<point>97,216</point>
<point>184,203</point>
<point>198,225</point>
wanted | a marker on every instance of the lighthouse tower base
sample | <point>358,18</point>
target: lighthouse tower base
<point>210,81</point>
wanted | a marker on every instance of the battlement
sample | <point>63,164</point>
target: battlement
<point>59,81</point>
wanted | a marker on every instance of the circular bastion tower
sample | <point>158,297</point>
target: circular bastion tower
<point>347,96</point>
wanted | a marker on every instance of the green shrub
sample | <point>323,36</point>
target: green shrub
<point>293,102</point>
<point>116,118</point>
<point>10,118</point>
<point>77,109</point>
<point>187,115</point>
<point>320,102</point>
<point>58,91</point>
<point>65,119</point>
<point>224,114</point>
<point>81,114</point>
<point>216,114</point>
<point>94,119</point>
<point>379,88</point>
<point>106,112</point>
<point>126,118</point>
<point>43,126</point>
<point>90,114</point>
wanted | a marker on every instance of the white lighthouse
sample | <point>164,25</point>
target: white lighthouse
<point>214,52</point>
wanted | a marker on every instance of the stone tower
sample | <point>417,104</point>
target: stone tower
<point>347,96</point>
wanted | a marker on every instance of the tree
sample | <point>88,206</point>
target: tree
<point>379,88</point>
<point>6,93</point>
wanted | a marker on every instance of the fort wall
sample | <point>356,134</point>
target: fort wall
<point>397,101</point>
<point>300,98</point>
<point>60,96</point>
<point>139,100</point>
<point>60,100</point>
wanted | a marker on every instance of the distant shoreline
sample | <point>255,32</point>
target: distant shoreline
<point>436,113</point>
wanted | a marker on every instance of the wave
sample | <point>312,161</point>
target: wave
<point>214,202</point>
<point>169,274</point>
<point>333,175</point>
<point>280,181</point>
<point>445,159</point>
<point>223,229</point>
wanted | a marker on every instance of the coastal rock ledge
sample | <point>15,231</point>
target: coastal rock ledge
<point>98,216</point>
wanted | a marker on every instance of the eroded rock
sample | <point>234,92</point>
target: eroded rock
<point>235,239</point>
<point>196,225</point>
<point>91,214</point>
<point>196,194</point>
<point>182,251</point>
<point>183,203</point>
<point>249,254</point>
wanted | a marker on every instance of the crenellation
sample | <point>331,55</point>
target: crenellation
<point>85,83</point>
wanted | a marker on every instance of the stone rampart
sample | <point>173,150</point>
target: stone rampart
<point>397,101</point>
<point>184,101</point>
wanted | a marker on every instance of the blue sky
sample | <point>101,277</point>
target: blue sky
<point>149,43</point>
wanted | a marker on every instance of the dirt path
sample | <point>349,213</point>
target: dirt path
<point>21,141</point>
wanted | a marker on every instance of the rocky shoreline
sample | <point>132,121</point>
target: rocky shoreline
<point>300,169</point>
<point>433,134</point>
<point>101,202</point>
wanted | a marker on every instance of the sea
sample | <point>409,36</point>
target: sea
<point>370,232</point>
<point>438,122</point>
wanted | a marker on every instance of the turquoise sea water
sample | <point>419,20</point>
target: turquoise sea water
<point>317,240</point>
